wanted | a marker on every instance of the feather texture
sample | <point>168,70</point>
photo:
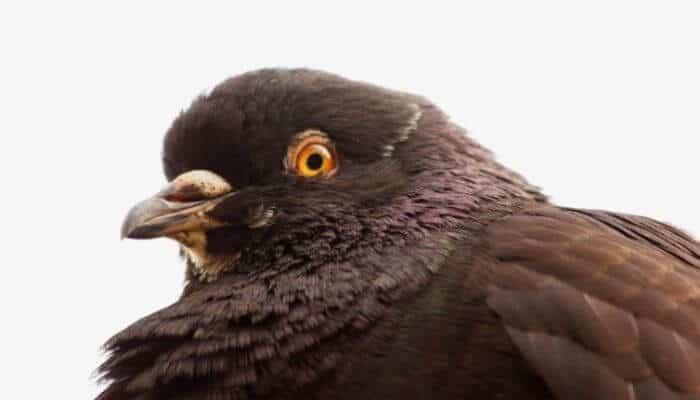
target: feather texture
<point>602,305</point>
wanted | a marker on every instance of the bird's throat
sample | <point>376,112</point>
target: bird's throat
<point>204,266</point>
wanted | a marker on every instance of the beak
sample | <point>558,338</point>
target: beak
<point>182,206</point>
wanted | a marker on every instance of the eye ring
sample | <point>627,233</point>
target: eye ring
<point>312,155</point>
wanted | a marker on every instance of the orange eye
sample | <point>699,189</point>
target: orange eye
<point>312,155</point>
<point>315,159</point>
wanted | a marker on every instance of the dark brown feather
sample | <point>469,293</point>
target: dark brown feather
<point>602,305</point>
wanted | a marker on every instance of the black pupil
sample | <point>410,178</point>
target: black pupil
<point>314,162</point>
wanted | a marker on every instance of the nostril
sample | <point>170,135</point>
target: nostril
<point>196,185</point>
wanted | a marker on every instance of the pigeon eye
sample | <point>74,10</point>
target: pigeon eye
<point>312,155</point>
<point>314,159</point>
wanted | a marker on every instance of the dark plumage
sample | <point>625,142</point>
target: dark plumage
<point>418,267</point>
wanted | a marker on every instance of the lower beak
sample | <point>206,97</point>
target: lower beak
<point>166,214</point>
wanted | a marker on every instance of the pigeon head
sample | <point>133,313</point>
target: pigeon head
<point>296,167</point>
<point>306,205</point>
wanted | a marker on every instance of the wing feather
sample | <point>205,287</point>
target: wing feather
<point>602,305</point>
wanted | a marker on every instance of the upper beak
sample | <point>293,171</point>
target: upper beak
<point>182,206</point>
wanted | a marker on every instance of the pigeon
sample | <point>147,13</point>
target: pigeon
<point>346,241</point>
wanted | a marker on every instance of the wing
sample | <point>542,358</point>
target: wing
<point>603,306</point>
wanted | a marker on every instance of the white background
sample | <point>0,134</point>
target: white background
<point>598,103</point>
